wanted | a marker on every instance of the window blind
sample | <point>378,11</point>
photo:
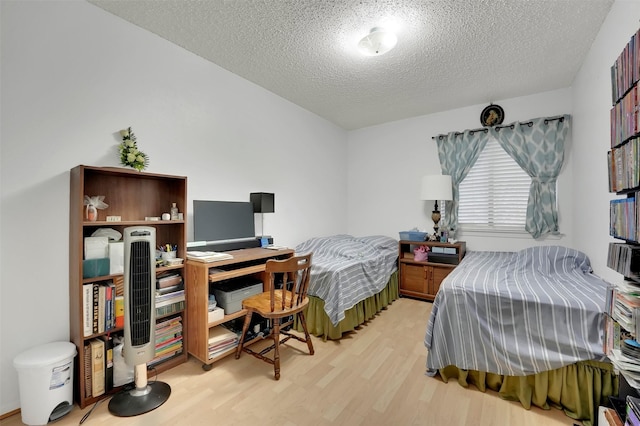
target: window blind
<point>495,192</point>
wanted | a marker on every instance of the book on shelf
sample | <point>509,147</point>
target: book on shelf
<point>221,339</point>
<point>87,369</point>
<point>624,166</point>
<point>87,309</point>
<point>170,289</point>
<point>219,333</point>
<point>625,71</point>
<point>97,367</point>
<point>96,301</point>
<point>171,308</point>
<point>98,307</point>
<point>168,339</point>
<point>169,303</point>
<point>611,416</point>
<point>625,259</point>
<point>168,280</point>
<point>167,298</point>
<point>110,311</point>
<point>633,411</point>
<point>170,327</point>
<point>208,256</point>
<point>108,362</point>
<point>610,299</point>
<point>119,311</point>
<point>102,302</point>
<point>622,219</point>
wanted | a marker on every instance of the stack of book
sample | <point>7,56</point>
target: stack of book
<point>169,303</point>
<point>633,411</point>
<point>168,339</point>
<point>623,219</point>
<point>169,294</point>
<point>624,166</point>
<point>98,363</point>
<point>221,340</point>
<point>626,70</point>
<point>207,256</point>
<point>625,259</point>
<point>98,301</point>
<point>622,321</point>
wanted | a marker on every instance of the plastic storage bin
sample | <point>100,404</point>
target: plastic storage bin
<point>413,235</point>
<point>45,377</point>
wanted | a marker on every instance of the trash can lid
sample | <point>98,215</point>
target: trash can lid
<point>46,354</point>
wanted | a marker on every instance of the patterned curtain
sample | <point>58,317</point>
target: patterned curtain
<point>538,147</point>
<point>458,152</point>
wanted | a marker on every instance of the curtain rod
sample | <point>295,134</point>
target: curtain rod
<point>485,129</point>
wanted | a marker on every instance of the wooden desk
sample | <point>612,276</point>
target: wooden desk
<point>245,262</point>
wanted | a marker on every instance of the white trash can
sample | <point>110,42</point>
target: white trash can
<point>45,376</point>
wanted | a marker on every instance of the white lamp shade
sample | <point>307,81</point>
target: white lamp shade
<point>436,187</point>
<point>377,42</point>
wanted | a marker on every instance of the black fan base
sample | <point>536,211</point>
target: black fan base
<point>127,404</point>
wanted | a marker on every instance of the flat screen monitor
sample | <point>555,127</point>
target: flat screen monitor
<point>222,221</point>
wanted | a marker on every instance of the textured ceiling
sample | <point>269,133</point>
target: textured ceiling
<point>450,53</point>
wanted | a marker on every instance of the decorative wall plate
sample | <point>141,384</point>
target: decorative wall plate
<point>492,115</point>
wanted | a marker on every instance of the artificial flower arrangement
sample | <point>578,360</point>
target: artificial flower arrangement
<point>130,155</point>
<point>93,204</point>
<point>421,253</point>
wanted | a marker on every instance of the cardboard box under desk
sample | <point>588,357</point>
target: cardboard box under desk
<point>230,294</point>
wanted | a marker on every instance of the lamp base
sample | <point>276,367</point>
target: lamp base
<point>435,216</point>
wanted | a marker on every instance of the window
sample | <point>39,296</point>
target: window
<point>494,194</point>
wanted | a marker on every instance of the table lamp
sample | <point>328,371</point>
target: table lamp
<point>436,188</point>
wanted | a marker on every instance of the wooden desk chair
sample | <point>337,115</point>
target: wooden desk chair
<point>280,304</point>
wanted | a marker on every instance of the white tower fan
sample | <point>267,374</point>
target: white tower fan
<point>139,323</point>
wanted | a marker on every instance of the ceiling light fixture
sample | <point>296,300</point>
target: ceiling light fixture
<point>377,42</point>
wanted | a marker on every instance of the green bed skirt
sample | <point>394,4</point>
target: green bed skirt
<point>318,322</point>
<point>578,389</point>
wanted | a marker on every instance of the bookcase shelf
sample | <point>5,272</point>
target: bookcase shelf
<point>623,302</point>
<point>133,196</point>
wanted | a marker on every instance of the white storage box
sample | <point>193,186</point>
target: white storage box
<point>116,257</point>
<point>216,315</point>
<point>96,247</point>
<point>45,377</point>
<point>231,293</point>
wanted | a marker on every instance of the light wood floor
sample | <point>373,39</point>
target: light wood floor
<point>374,376</point>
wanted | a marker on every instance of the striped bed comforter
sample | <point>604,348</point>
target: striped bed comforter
<point>346,270</point>
<point>517,313</point>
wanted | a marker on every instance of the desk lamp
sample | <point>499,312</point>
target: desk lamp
<point>263,202</point>
<point>436,187</point>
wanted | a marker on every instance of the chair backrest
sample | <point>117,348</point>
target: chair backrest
<point>295,272</point>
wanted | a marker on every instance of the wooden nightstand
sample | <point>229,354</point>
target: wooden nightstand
<point>422,279</point>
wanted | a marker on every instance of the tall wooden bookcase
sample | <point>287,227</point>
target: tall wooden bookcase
<point>624,181</point>
<point>133,196</point>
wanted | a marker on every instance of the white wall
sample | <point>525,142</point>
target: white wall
<point>73,75</point>
<point>387,162</point>
<point>592,104</point>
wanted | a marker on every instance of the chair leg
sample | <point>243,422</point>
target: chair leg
<point>303,321</point>
<point>276,353</point>
<point>245,327</point>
